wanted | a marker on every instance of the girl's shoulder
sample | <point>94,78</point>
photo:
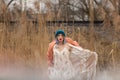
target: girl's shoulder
<point>55,46</point>
<point>68,45</point>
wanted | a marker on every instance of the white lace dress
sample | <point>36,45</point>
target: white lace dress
<point>73,63</point>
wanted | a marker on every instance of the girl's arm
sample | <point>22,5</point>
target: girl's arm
<point>50,53</point>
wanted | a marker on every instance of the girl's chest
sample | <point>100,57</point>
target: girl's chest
<point>58,51</point>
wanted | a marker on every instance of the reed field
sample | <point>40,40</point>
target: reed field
<point>24,44</point>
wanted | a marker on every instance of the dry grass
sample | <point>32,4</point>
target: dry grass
<point>26,44</point>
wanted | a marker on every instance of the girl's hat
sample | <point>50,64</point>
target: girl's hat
<point>59,32</point>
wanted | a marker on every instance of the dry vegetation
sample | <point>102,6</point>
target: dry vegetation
<point>25,43</point>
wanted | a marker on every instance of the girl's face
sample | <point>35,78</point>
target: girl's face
<point>60,37</point>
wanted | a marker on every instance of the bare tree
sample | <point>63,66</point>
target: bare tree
<point>74,9</point>
<point>111,9</point>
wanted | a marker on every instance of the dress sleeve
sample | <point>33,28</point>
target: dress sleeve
<point>50,52</point>
<point>84,61</point>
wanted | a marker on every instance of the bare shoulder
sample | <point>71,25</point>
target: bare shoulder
<point>68,45</point>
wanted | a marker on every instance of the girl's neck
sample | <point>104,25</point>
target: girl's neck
<point>60,43</point>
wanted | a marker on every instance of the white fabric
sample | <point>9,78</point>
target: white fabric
<point>73,63</point>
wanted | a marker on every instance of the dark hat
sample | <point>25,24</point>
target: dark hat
<point>59,32</point>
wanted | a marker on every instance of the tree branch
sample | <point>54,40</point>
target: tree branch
<point>9,3</point>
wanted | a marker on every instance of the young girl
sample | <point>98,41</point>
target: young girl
<point>68,61</point>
